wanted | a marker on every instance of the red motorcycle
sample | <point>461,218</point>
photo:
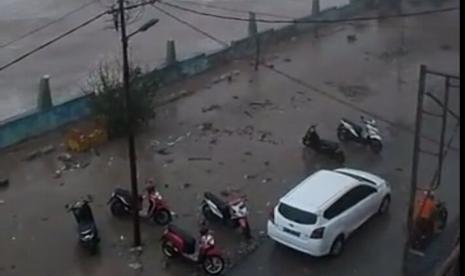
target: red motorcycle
<point>121,204</point>
<point>176,242</point>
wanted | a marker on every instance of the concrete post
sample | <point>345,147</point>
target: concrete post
<point>44,100</point>
<point>315,7</point>
<point>170,52</point>
<point>252,25</point>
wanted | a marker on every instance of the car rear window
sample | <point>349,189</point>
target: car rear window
<point>358,177</point>
<point>296,215</point>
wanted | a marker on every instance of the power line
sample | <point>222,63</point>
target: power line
<point>40,28</point>
<point>298,21</point>
<point>18,59</point>
<point>221,42</point>
<point>212,6</point>
<point>65,34</point>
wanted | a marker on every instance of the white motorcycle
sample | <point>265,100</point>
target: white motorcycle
<point>368,134</point>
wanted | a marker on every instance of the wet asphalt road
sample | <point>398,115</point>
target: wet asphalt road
<point>40,236</point>
<point>70,61</point>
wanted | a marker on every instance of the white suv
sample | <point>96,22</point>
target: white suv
<point>318,215</point>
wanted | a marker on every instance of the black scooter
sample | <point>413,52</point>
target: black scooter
<point>87,229</point>
<point>312,140</point>
<point>233,213</point>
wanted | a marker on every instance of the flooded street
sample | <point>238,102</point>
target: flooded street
<point>248,134</point>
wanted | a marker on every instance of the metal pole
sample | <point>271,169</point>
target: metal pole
<point>257,51</point>
<point>443,131</point>
<point>132,151</point>
<point>416,147</point>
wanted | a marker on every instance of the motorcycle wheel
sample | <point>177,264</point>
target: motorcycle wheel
<point>246,232</point>
<point>342,135</point>
<point>376,146</point>
<point>213,265</point>
<point>207,212</point>
<point>167,248</point>
<point>162,217</point>
<point>442,218</point>
<point>340,157</point>
<point>117,209</point>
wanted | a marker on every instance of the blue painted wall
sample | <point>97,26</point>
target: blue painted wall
<point>28,125</point>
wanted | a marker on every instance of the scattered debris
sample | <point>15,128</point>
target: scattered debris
<point>169,161</point>
<point>211,108</point>
<point>235,97</point>
<point>236,72</point>
<point>61,184</point>
<point>351,38</point>
<point>2,201</point>
<point>136,249</point>
<point>122,238</point>
<point>57,174</point>
<point>287,60</point>
<point>208,171</point>
<point>267,163</point>
<point>13,238</point>
<point>135,265</point>
<point>47,149</point>
<point>186,185</point>
<point>294,38</point>
<point>213,141</point>
<point>248,153</point>
<point>266,180</point>
<point>390,55</point>
<point>266,103</point>
<point>199,159</point>
<point>206,126</point>
<point>250,176</point>
<point>354,91</point>
<point>399,169</point>
<point>64,157</point>
<point>248,114</point>
<point>44,219</point>
<point>4,182</point>
<point>445,47</point>
<point>32,155</point>
<point>166,186</point>
<point>163,152</point>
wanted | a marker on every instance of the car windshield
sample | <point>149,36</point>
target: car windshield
<point>296,215</point>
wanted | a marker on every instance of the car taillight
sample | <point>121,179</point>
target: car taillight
<point>318,233</point>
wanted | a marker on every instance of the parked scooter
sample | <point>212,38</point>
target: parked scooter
<point>368,134</point>
<point>121,203</point>
<point>87,229</point>
<point>312,140</point>
<point>233,212</point>
<point>178,243</point>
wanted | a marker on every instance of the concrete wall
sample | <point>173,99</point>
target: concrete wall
<point>28,125</point>
<point>36,122</point>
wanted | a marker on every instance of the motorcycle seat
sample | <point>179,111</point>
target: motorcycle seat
<point>356,127</point>
<point>122,192</point>
<point>189,240</point>
<point>221,204</point>
<point>329,144</point>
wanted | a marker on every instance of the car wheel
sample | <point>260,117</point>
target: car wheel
<point>337,247</point>
<point>384,206</point>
